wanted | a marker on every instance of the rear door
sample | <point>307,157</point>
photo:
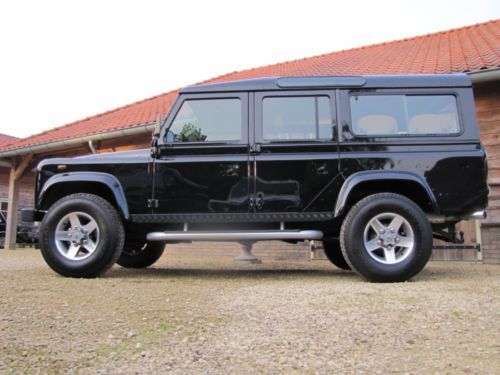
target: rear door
<point>294,152</point>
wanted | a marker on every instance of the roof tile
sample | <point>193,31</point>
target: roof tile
<point>7,139</point>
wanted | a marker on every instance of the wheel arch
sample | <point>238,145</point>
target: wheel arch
<point>101,184</point>
<point>362,184</point>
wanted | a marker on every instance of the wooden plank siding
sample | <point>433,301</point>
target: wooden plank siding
<point>488,114</point>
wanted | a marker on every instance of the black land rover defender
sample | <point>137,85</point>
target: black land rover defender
<point>373,166</point>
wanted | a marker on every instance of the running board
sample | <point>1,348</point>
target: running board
<point>236,236</point>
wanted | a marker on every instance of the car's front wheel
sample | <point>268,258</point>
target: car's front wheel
<point>81,236</point>
<point>140,254</point>
<point>386,238</point>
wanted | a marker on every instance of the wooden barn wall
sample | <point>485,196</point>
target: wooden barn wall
<point>488,114</point>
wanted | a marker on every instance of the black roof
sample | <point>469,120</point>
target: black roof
<point>307,83</point>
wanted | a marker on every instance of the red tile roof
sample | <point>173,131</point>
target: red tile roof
<point>467,49</point>
<point>6,139</point>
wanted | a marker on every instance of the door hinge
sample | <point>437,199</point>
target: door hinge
<point>255,148</point>
<point>257,201</point>
<point>152,203</point>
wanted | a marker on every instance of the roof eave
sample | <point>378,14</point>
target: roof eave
<point>59,145</point>
<point>484,76</point>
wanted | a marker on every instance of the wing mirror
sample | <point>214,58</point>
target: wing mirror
<point>155,135</point>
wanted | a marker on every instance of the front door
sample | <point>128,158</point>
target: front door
<point>295,152</point>
<point>203,164</point>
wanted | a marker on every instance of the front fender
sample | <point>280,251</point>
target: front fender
<point>355,179</point>
<point>111,182</point>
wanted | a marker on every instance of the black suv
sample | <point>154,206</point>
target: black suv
<point>374,166</point>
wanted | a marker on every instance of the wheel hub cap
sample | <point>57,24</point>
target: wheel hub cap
<point>77,235</point>
<point>388,238</point>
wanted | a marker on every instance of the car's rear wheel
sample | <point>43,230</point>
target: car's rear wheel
<point>386,238</point>
<point>140,254</point>
<point>81,236</point>
<point>333,252</point>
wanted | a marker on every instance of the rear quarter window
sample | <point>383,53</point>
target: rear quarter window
<point>393,115</point>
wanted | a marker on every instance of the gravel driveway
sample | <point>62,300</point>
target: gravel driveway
<point>206,315</point>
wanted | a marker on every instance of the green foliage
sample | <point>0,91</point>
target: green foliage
<point>190,133</point>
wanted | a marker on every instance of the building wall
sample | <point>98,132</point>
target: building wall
<point>26,192</point>
<point>488,113</point>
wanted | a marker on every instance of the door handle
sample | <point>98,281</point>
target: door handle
<point>321,169</point>
<point>259,200</point>
<point>230,170</point>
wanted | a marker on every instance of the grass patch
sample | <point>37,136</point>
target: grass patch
<point>411,300</point>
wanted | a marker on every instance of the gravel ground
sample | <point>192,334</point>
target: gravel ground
<point>206,315</point>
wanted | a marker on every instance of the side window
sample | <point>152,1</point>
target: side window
<point>404,114</point>
<point>296,118</point>
<point>207,120</point>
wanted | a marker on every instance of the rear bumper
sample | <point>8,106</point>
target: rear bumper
<point>440,219</point>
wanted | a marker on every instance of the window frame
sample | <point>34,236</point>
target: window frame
<point>168,122</point>
<point>259,114</point>
<point>412,92</point>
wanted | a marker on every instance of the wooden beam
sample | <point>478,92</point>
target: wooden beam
<point>4,163</point>
<point>11,229</point>
<point>22,166</point>
<point>18,168</point>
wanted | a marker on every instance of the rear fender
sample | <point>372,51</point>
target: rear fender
<point>360,177</point>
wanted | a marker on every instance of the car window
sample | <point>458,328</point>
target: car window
<point>296,118</point>
<point>404,114</point>
<point>207,120</point>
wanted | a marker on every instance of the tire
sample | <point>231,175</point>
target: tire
<point>140,255</point>
<point>334,254</point>
<point>386,237</point>
<point>81,236</point>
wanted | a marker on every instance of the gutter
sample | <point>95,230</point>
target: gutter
<point>59,145</point>
<point>487,75</point>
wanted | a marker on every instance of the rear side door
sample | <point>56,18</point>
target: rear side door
<point>294,152</point>
<point>203,163</point>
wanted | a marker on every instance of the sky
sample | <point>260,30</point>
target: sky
<point>62,61</point>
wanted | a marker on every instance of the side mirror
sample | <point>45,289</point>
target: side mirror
<point>155,135</point>
<point>157,129</point>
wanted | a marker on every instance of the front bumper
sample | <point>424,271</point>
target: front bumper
<point>31,215</point>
